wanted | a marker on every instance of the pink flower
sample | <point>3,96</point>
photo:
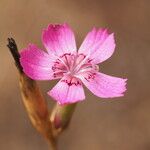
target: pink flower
<point>73,68</point>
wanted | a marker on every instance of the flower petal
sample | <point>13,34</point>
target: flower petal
<point>68,90</point>
<point>36,63</point>
<point>103,85</point>
<point>59,39</point>
<point>99,45</point>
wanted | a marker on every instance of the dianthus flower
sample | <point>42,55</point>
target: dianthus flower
<point>73,68</point>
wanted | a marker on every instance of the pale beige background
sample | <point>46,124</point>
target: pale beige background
<point>98,124</point>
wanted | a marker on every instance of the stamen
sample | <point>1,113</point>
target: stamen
<point>74,65</point>
<point>61,61</point>
<point>78,66</point>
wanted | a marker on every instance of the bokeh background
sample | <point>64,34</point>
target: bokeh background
<point>98,124</point>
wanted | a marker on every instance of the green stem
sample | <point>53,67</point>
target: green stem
<point>61,116</point>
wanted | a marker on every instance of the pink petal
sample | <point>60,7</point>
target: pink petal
<point>59,39</point>
<point>103,85</point>
<point>68,90</point>
<point>36,63</point>
<point>99,45</point>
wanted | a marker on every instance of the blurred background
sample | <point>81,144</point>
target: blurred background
<point>97,124</point>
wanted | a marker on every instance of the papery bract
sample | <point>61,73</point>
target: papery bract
<point>73,68</point>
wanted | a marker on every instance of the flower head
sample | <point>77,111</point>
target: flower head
<point>73,68</point>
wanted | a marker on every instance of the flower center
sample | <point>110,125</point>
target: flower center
<point>72,64</point>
